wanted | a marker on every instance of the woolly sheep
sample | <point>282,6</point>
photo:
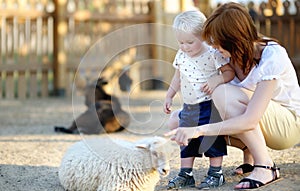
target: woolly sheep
<point>104,113</point>
<point>106,164</point>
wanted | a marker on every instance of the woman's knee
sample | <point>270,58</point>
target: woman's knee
<point>229,100</point>
<point>218,92</point>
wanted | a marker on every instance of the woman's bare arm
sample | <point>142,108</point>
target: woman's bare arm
<point>227,74</point>
<point>236,125</point>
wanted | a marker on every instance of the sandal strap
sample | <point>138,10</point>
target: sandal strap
<point>244,148</point>
<point>252,183</point>
<point>246,168</point>
<point>273,168</point>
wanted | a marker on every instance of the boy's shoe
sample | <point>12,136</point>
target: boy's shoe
<point>181,181</point>
<point>213,180</point>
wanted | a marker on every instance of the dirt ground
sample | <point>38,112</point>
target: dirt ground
<point>30,151</point>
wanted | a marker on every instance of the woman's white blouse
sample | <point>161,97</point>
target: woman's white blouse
<point>275,64</point>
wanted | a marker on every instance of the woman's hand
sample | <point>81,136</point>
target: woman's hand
<point>182,135</point>
<point>207,89</point>
<point>211,84</point>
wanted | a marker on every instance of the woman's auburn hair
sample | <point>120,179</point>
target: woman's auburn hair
<point>231,27</point>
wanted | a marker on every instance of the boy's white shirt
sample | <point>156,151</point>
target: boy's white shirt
<point>196,71</point>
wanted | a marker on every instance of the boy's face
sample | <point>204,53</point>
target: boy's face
<point>189,43</point>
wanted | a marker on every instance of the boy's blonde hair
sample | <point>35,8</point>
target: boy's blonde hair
<point>189,22</point>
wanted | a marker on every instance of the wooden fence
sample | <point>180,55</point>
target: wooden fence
<point>26,50</point>
<point>43,42</point>
<point>87,26</point>
<point>282,25</point>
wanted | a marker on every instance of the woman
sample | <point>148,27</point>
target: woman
<point>261,106</point>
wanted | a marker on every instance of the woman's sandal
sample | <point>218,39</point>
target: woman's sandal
<point>245,167</point>
<point>253,184</point>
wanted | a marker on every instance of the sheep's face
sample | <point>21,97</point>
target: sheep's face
<point>159,154</point>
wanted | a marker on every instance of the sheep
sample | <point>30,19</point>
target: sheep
<point>106,164</point>
<point>104,113</point>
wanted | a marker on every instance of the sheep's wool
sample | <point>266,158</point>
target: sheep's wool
<point>107,165</point>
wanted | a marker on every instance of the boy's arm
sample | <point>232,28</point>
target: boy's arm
<point>175,85</point>
<point>173,89</point>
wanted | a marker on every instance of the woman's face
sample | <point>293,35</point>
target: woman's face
<point>189,43</point>
<point>224,52</point>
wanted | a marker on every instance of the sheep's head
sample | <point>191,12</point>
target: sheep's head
<point>158,148</point>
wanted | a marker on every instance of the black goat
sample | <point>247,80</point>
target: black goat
<point>104,113</point>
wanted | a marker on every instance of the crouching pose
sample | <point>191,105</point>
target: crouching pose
<point>261,106</point>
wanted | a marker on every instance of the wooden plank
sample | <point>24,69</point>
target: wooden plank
<point>21,13</point>
<point>69,82</point>
<point>286,35</point>
<point>262,25</point>
<point>59,52</point>
<point>279,30</point>
<point>292,37</point>
<point>33,84</point>
<point>44,84</point>
<point>3,39</point>
<point>22,85</point>
<point>84,15</point>
<point>10,67</point>
<point>297,37</point>
<point>9,85</point>
<point>1,89</point>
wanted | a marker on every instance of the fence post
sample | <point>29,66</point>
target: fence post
<point>59,54</point>
<point>204,6</point>
<point>157,51</point>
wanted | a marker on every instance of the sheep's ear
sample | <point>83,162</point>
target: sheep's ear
<point>142,145</point>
